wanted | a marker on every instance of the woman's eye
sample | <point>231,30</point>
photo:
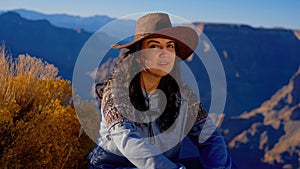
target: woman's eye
<point>154,46</point>
<point>170,46</point>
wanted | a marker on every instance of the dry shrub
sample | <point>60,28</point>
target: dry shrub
<point>38,124</point>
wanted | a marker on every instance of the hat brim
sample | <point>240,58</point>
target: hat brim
<point>185,37</point>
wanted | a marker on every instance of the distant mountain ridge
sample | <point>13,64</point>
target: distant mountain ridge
<point>67,21</point>
<point>89,24</point>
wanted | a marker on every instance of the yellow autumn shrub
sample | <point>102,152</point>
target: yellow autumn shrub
<point>38,124</point>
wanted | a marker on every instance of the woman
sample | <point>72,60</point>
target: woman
<point>147,111</point>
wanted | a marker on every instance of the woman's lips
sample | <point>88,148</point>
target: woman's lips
<point>163,63</point>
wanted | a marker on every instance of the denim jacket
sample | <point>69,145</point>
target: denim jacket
<point>121,137</point>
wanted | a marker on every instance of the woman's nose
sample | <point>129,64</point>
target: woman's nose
<point>163,52</point>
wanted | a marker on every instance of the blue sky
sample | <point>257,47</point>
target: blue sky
<point>266,13</point>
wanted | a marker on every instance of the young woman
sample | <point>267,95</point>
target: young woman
<point>147,111</point>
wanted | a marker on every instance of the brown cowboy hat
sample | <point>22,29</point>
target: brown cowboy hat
<point>154,25</point>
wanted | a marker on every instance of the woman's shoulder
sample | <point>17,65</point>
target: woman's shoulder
<point>188,93</point>
<point>195,108</point>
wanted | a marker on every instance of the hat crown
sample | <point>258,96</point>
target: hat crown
<point>152,22</point>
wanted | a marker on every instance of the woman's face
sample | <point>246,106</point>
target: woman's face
<point>157,56</point>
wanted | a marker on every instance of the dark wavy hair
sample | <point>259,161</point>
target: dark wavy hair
<point>167,84</point>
